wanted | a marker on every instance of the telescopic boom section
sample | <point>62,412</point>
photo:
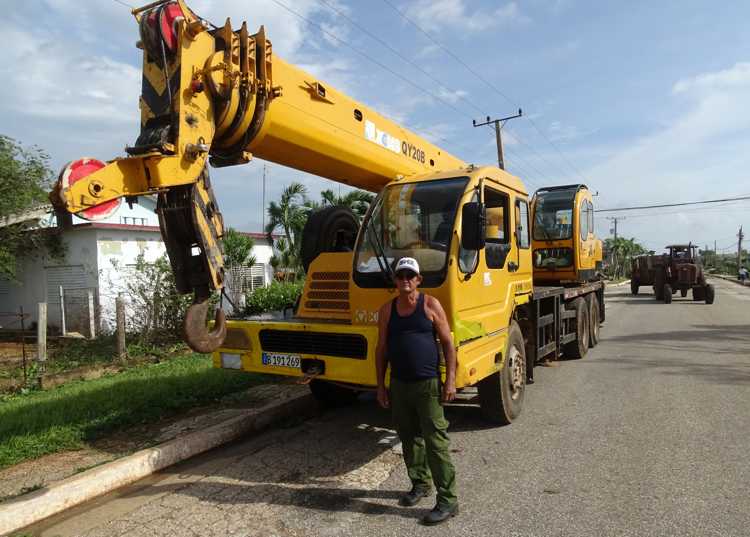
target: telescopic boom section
<point>220,96</point>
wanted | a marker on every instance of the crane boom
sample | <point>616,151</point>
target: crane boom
<point>221,95</point>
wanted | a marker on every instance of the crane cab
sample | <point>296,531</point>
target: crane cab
<point>565,249</point>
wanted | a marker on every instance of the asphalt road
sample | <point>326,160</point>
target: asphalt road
<point>647,435</point>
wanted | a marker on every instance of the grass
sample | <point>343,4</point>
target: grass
<point>65,418</point>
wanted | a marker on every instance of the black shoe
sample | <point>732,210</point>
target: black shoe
<point>413,496</point>
<point>439,515</point>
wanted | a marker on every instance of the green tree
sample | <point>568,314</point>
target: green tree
<point>356,200</point>
<point>621,252</point>
<point>237,255</point>
<point>288,216</point>
<point>25,179</point>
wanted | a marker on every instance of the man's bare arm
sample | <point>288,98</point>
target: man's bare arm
<point>443,329</point>
<point>380,353</point>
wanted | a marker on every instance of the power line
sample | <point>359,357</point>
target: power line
<point>703,210</point>
<point>484,80</point>
<point>407,60</point>
<point>672,204</point>
<point>123,4</point>
<point>371,59</point>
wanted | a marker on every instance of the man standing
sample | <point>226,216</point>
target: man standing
<point>406,338</point>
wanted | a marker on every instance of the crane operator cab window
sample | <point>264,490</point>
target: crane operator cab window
<point>553,221</point>
<point>408,220</point>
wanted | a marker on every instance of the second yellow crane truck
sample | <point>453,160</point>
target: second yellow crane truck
<point>218,96</point>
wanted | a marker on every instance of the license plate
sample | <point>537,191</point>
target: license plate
<point>282,360</point>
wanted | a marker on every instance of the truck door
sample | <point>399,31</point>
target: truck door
<point>484,292</point>
<point>585,239</point>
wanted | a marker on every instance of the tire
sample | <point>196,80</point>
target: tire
<point>659,285</point>
<point>593,320</point>
<point>331,229</point>
<point>683,292</point>
<point>634,287</point>
<point>332,395</point>
<point>667,292</point>
<point>699,294</point>
<point>501,394</point>
<point>579,347</point>
<point>709,293</point>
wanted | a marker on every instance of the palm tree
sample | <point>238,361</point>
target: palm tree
<point>288,216</point>
<point>238,255</point>
<point>356,200</point>
<point>622,251</point>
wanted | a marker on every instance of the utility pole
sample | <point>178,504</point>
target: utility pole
<point>263,209</point>
<point>498,136</point>
<point>740,236</point>
<point>614,220</point>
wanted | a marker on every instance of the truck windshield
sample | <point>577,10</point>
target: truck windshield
<point>553,215</point>
<point>410,220</point>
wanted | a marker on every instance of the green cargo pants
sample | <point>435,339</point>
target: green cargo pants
<point>423,430</point>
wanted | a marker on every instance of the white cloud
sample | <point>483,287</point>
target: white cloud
<point>701,154</point>
<point>435,14</point>
<point>451,96</point>
<point>734,78</point>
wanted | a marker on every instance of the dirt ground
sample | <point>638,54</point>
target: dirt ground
<point>11,353</point>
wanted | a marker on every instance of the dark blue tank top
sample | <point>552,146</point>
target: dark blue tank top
<point>411,346</point>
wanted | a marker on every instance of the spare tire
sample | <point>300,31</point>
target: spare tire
<point>331,229</point>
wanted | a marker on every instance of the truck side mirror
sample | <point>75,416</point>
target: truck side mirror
<point>473,226</point>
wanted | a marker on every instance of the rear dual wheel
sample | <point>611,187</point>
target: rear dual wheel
<point>593,305</point>
<point>578,347</point>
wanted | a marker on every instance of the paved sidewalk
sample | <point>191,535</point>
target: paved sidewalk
<point>57,482</point>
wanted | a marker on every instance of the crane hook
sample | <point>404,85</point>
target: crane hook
<point>196,333</point>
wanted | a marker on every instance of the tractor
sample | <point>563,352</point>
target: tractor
<point>678,270</point>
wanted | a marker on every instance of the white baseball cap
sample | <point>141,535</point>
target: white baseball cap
<point>407,263</point>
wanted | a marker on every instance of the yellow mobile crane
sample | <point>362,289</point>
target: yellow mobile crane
<point>214,95</point>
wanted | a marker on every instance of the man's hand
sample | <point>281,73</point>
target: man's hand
<point>449,391</point>
<point>383,397</point>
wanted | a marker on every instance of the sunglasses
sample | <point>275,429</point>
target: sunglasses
<point>406,275</point>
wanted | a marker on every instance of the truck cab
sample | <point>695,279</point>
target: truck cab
<point>469,229</point>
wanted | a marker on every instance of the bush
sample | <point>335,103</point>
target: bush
<point>277,296</point>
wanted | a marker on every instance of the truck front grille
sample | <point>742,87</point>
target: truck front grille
<point>320,343</point>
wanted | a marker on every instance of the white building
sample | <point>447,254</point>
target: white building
<point>99,258</point>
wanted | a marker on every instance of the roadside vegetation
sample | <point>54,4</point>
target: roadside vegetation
<point>70,416</point>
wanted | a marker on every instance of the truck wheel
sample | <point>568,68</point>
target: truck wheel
<point>331,229</point>
<point>593,320</point>
<point>667,293</point>
<point>709,293</point>
<point>332,395</point>
<point>579,347</point>
<point>501,394</point>
<point>634,287</point>
<point>659,285</point>
<point>699,293</point>
<point>683,292</point>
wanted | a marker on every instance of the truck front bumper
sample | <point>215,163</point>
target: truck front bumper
<point>296,348</point>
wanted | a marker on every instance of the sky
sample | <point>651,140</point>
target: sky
<point>645,102</point>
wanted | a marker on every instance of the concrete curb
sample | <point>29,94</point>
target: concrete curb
<point>626,282</point>
<point>38,505</point>
<point>727,279</point>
